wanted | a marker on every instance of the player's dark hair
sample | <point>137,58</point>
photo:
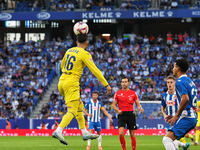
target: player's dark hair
<point>95,92</point>
<point>183,64</point>
<point>125,77</point>
<point>171,77</point>
<point>81,38</point>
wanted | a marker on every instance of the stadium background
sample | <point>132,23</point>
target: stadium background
<point>138,38</point>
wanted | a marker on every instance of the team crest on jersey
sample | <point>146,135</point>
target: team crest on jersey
<point>95,107</point>
<point>130,98</point>
<point>174,97</point>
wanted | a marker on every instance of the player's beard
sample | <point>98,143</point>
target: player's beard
<point>124,87</point>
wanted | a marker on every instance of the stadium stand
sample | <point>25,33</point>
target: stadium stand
<point>146,60</point>
<point>70,5</point>
<point>26,71</point>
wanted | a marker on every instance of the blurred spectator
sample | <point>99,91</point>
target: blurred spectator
<point>55,125</point>
<point>8,124</point>
<point>173,4</point>
<point>125,5</point>
<point>169,38</point>
<point>43,125</point>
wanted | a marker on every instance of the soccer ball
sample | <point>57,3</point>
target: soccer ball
<point>80,28</point>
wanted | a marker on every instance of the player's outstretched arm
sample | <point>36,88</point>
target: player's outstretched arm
<point>106,113</point>
<point>87,59</point>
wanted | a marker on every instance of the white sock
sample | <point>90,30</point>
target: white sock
<point>179,144</point>
<point>89,142</point>
<point>84,131</point>
<point>168,143</point>
<point>59,129</point>
<point>99,140</point>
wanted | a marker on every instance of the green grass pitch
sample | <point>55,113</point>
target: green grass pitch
<point>76,143</point>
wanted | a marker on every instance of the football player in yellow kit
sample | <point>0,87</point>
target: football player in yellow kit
<point>197,128</point>
<point>72,65</point>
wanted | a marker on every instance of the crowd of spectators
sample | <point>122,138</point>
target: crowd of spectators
<point>70,5</point>
<point>146,60</point>
<point>136,4</point>
<point>173,4</point>
<point>38,5</point>
<point>26,69</point>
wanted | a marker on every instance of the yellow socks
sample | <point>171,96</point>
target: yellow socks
<point>183,140</point>
<point>190,136</point>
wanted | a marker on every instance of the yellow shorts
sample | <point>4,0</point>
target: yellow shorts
<point>75,107</point>
<point>69,90</point>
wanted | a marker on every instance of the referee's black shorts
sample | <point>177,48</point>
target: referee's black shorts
<point>127,118</point>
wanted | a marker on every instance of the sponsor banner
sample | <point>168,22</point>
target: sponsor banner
<point>16,123</point>
<point>75,132</point>
<point>116,14</point>
<point>49,123</point>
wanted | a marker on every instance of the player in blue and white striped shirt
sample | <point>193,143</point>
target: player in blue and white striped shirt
<point>170,106</point>
<point>185,118</point>
<point>92,110</point>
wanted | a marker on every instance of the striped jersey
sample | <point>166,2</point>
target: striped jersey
<point>185,86</point>
<point>94,109</point>
<point>170,103</point>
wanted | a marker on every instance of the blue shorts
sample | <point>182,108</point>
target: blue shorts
<point>95,125</point>
<point>183,126</point>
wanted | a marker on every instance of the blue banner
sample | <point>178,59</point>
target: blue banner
<point>148,123</point>
<point>116,14</point>
<point>49,123</point>
<point>15,123</point>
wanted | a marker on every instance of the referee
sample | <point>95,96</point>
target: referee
<point>125,99</point>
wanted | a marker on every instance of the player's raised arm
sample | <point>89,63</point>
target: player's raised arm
<point>87,59</point>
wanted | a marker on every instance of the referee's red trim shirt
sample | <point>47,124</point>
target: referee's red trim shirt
<point>125,99</point>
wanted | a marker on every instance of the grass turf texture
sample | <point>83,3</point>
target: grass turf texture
<point>76,143</point>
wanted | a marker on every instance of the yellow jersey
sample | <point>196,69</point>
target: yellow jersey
<point>73,63</point>
<point>198,110</point>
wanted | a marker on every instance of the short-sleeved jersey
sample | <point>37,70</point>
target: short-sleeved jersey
<point>73,63</point>
<point>184,85</point>
<point>125,99</point>
<point>170,103</point>
<point>94,109</point>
